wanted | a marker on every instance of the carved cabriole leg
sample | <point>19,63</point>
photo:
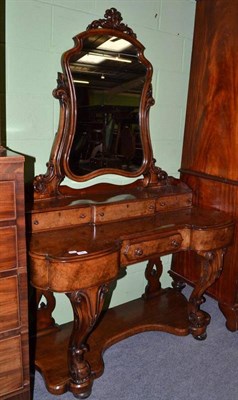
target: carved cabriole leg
<point>87,305</point>
<point>211,270</point>
<point>154,269</point>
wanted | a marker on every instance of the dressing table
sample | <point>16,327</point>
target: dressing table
<point>80,240</point>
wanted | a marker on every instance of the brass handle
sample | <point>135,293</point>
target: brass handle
<point>175,243</point>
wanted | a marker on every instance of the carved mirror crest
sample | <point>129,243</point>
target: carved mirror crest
<point>105,94</point>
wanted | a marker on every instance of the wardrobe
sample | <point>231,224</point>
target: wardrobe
<point>210,151</point>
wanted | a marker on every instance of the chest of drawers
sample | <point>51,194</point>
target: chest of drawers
<point>14,357</point>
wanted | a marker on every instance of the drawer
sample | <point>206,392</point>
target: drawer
<point>7,200</point>
<point>11,374</point>
<point>60,219</point>
<point>9,304</point>
<point>133,252</point>
<point>122,211</point>
<point>8,247</point>
<point>174,202</point>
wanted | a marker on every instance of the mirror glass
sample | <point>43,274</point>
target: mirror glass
<point>108,81</point>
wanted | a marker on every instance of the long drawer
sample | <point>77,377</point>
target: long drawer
<point>11,375</point>
<point>7,200</point>
<point>8,247</point>
<point>9,304</point>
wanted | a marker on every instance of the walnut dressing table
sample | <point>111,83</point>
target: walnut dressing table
<point>81,240</point>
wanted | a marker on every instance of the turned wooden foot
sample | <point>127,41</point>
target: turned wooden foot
<point>230,312</point>
<point>87,305</point>
<point>201,337</point>
<point>83,396</point>
<point>211,270</point>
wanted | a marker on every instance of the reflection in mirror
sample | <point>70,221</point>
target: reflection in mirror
<point>108,81</point>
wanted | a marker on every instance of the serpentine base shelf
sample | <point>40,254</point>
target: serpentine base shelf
<point>165,312</point>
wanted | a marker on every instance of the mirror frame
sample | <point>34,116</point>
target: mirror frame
<point>48,185</point>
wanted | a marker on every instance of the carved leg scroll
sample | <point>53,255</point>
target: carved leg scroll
<point>154,269</point>
<point>211,270</point>
<point>87,305</point>
<point>45,302</point>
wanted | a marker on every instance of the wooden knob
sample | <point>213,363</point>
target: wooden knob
<point>138,252</point>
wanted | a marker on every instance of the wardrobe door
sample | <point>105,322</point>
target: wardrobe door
<point>210,151</point>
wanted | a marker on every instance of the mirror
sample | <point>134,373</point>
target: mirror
<point>105,94</point>
<point>108,82</point>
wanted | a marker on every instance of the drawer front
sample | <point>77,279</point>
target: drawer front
<point>60,219</point>
<point>68,275</point>
<point>133,252</point>
<point>11,375</point>
<point>7,200</point>
<point>118,212</point>
<point>174,202</point>
<point>9,304</point>
<point>8,248</point>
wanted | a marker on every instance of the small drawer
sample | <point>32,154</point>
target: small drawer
<point>174,202</point>
<point>133,252</point>
<point>8,248</point>
<point>11,374</point>
<point>9,304</point>
<point>7,200</point>
<point>122,211</point>
<point>60,219</point>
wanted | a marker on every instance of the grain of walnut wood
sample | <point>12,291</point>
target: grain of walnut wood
<point>209,157</point>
